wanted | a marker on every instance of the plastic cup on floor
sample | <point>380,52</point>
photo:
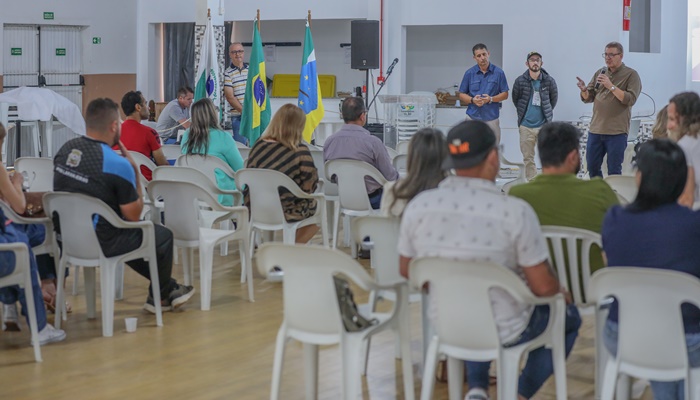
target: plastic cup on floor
<point>130,324</point>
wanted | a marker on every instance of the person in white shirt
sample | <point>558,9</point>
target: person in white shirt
<point>467,218</point>
<point>683,125</point>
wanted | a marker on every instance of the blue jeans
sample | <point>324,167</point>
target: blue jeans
<point>10,295</point>
<point>37,234</point>
<point>375,198</point>
<point>599,145</point>
<point>539,362</point>
<point>236,128</point>
<point>662,390</point>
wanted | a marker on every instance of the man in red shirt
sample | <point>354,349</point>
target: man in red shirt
<point>138,137</point>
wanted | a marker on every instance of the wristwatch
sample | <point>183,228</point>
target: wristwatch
<point>612,88</point>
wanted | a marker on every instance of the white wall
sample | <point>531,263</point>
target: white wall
<point>434,62</point>
<point>663,74</point>
<point>237,10</point>
<point>114,22</point>
<point>327,36</point>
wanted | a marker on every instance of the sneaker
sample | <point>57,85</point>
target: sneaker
<point>10,320</point>
<point>50,334</point>
<point>150,306</point>
<point>477,394</point>
<point>180,295</point>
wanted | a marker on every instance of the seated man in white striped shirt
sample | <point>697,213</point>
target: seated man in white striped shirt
<point>235,78</point>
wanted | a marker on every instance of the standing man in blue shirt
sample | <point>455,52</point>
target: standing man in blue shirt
<point>484,87</point>
<point>535,96</point>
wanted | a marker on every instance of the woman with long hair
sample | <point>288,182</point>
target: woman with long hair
<point>426,151</point>
<point>659,130</point>
<point>11,193</point>
<point>654,231</point>
<point>281,149</point>
<point>205,137</point>
<point>683,126</point>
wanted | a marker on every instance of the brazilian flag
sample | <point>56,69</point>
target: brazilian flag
<point>256,105</point>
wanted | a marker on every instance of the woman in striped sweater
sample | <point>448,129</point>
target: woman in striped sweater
<point>281,149</point>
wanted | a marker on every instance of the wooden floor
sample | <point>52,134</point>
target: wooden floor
<point>225,353</point>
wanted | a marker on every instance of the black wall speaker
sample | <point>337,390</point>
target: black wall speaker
<point>364,38</point>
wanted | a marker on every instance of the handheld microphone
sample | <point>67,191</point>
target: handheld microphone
<point>391,67</point>
<point>602,72</point>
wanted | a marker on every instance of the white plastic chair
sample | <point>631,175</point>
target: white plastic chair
<point>522,178</point>
<point>385,261</point>
<point>266,213</point>
<point>317,156</point>
<point>465,328</point>
<point>182,216</point>
<point>392,153</point>
<point>245,152</point>
<point>569,270</point>
<point>22,276</point>
<point>39,173</point>
<point>651,337</point>
<point>191,175</point>
<point>81,247</point>
<point>402,147</point>
<point>574,276</point>
<point>325,186</point>
<point>208,165</point>
<point>171,151</point>
<point>352,193</point>
<point>49,246</point>
<point>144,161</point>
<point>313,317</point>
<point>625,186</point>
<point>401,162</point>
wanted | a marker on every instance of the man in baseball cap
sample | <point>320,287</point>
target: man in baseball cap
<point>468,144</point>
<point>467,218</point>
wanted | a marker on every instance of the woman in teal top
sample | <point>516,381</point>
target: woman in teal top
<point>207,138</point>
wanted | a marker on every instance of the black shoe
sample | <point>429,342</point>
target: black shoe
<point>150,305</point>
<point>180,295</point>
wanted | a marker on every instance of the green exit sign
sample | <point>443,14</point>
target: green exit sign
<point>60,52</point>
<point>16,51</point>
<point>96,40</point>
<point>48,15</point>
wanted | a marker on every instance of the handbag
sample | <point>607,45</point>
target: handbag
<point>353,321</point>
<point>35,205</point>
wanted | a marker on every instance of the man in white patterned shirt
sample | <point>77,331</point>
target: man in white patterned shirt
<point>467,218</point>
<point>235,78</point>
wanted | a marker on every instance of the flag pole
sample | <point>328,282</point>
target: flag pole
<point>308,19</point>
<point>209,13</point>
<point>258,19</point>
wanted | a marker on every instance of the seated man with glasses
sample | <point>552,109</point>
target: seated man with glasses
<point>613,91</point>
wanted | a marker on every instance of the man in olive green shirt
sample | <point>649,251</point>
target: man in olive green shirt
<point>557,195</point>
<point>613,91</point>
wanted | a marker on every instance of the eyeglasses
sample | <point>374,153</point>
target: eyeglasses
<point>610,55</point>
<point>534,59</point>
<point>237,52</point>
